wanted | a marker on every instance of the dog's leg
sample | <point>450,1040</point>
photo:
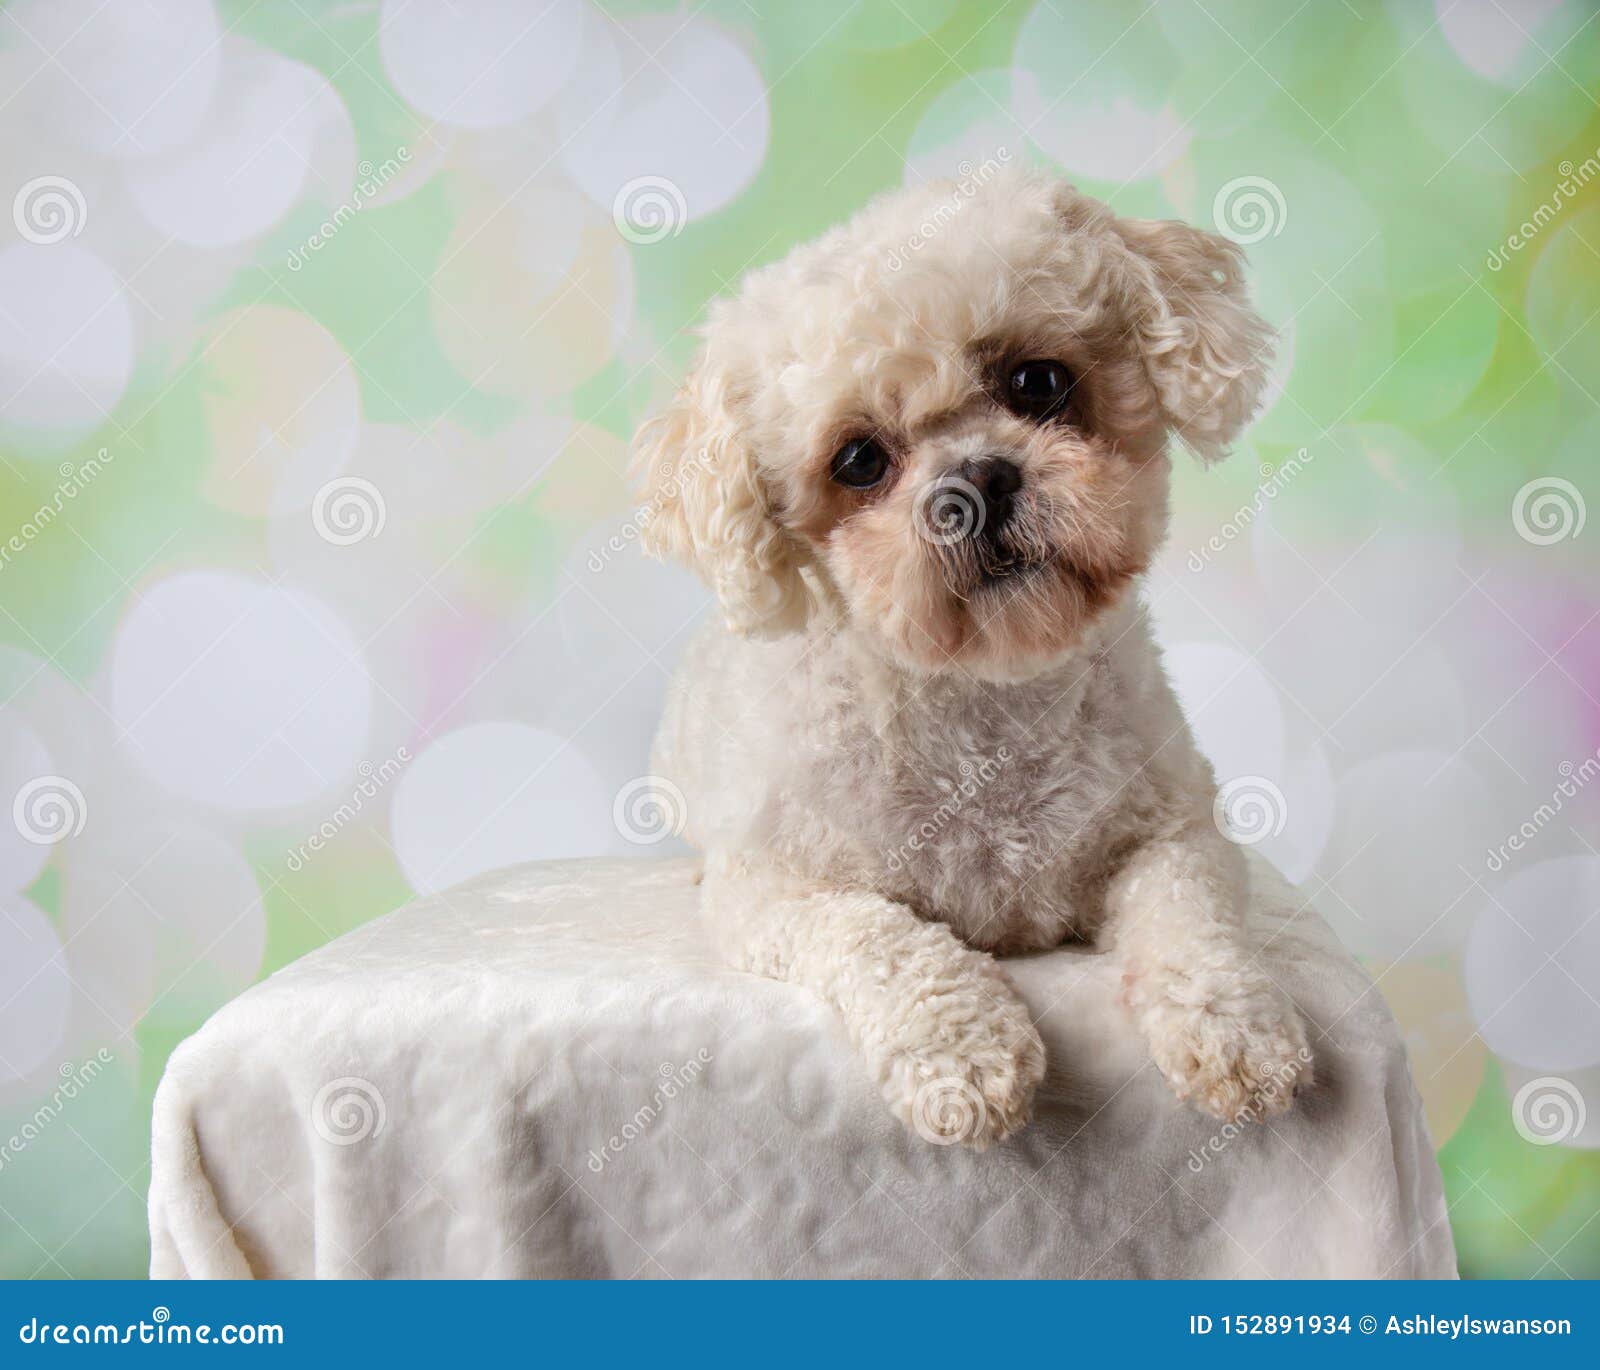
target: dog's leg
<point>1221,1032</point>
<point>943,1033</point>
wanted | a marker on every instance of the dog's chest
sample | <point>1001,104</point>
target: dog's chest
<point>988,811</point>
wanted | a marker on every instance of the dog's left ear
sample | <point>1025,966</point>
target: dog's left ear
<point>1206,350</point>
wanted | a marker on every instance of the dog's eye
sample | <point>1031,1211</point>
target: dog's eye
<point>1039,389</point>
<point>859,464</point>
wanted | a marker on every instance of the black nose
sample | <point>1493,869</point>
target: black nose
<point>997,480</point>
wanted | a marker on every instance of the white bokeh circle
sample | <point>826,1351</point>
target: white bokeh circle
<point>966,128</point>
<point>672,99</point>
<point>1496,39</point>
<point>479,66</point>
<point>1409,833</point>
<point>174,900</point>
<point>1092,89</point>
<point>238,694</point>
<point>282,406</point>
<point>253,157</point>
<point>128,80</point>
<point>550,257</point>
<point>35,992</point>
<point>1532,966</point>
<point>493,794</point>
<point>66,343</point>
<point>1232,706</point>
<point>23,759</point>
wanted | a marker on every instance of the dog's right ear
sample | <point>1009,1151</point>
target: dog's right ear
<point>1207,351</point>
<point>705,504</point>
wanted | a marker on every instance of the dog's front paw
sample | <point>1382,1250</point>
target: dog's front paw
<point>1240,1064</point>
<point>971,1076</point>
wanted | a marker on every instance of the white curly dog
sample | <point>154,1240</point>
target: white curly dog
<point>922,463</point>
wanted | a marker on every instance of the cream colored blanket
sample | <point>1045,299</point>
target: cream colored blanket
<point>545,1073</point>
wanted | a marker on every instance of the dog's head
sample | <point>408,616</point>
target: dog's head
<point>948,419</point>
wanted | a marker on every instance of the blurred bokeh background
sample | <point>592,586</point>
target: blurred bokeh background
<point>323,327</point>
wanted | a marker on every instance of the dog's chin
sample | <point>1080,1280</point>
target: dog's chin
<point>1010,620</point>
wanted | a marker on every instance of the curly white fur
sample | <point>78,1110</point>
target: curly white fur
<point>902,756</point>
